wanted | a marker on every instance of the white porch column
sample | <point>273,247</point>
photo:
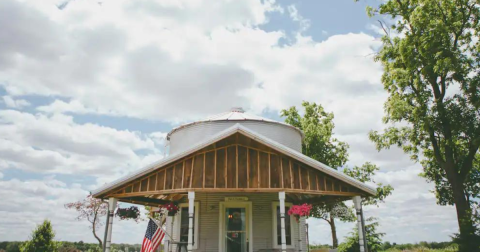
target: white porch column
<point>357,200</point>
<point>281,197</point>
<point>168,224</point>
<point>191,211</point>
<point>301,234</point>
<point>112,204</point>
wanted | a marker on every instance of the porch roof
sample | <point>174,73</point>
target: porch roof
<point>237,128</point>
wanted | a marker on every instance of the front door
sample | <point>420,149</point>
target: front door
<point>235,224</point>
<point>235,229</point>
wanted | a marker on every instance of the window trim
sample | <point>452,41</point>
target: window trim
<point>276,204</point>
<point>179,221</point>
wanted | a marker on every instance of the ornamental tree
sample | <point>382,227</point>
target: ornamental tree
<point>432,76</point>
<point>90,209</point>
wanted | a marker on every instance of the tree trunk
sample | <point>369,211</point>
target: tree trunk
<point>467,231</point>
<point>93,231</point>
<point>334,232</point>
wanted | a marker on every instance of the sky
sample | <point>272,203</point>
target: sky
<point>89,89</point>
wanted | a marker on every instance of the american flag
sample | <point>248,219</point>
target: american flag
<point>153,237</point>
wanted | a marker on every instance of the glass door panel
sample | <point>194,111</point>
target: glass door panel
<point>235,230</point>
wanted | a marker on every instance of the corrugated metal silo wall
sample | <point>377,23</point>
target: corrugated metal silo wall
<point>193,134</point>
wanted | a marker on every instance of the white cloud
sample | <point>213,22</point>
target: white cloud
<point>15,103</point>
<point>412,209</point>
<point>56,144</point>
<point>26,203</point>
<point>59,106</point>
<point>140,62</point>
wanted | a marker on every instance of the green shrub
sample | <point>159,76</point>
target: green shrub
<point>41,240</point>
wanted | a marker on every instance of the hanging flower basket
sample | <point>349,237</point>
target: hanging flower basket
<point>128,213</point>
<point>299,211</point>
<point>172,208</point>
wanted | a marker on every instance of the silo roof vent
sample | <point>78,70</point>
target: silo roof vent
<point>237,109</point>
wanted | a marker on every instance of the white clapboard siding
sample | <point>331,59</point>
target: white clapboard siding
<point>262,220</point>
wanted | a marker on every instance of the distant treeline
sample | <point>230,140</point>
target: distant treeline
<point>423,244</point>
<point>388,246</point>
<point>14,246</point>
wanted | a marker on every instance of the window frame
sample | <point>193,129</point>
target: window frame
<point>178,222</point>
<point>276,204</point>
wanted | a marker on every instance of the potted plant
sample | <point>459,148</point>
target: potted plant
<point>172,208</point>
<point>299,211</point>
<point>128,213</point>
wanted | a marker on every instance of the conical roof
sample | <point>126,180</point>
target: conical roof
<point>235,114</point>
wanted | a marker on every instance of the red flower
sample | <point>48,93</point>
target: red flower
<point>171,207</point>
<point>300,210</point>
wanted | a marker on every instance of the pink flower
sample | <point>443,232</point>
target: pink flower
<point>300,210</point>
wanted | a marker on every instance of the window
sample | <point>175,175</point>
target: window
<point>182,225</point>
<point>277,234</point>
<point>288,229</point>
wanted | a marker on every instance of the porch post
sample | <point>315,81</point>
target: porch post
<point>281,197</point>
<point>112,204</point>
<point>168,224</point>
<point>357,200</point>
<point>191,211</point>
<point>106,232</point>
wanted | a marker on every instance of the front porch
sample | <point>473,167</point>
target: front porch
<point>238,222</point>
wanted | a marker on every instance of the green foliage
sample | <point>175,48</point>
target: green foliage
<point>319,143</point>
<point>80,246</point>
<point>12,246</point>
<point>318,246</point>
<point>432,76</point>
<point>365,173</point>
<point>42,239</point>
<point>338,210</point>
<point>374,239</point>
<point>422,246</point>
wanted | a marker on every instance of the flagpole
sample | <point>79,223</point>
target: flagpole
<point>161,226</point>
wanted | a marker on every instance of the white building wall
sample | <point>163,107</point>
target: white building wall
<point>262,221</point>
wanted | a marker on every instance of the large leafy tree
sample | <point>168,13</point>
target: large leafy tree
<point>432,74</point>
<point>42,239</point>
<point>321,145</point>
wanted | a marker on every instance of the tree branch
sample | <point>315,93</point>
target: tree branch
<point>436,148</point>
<point>467,163</point>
